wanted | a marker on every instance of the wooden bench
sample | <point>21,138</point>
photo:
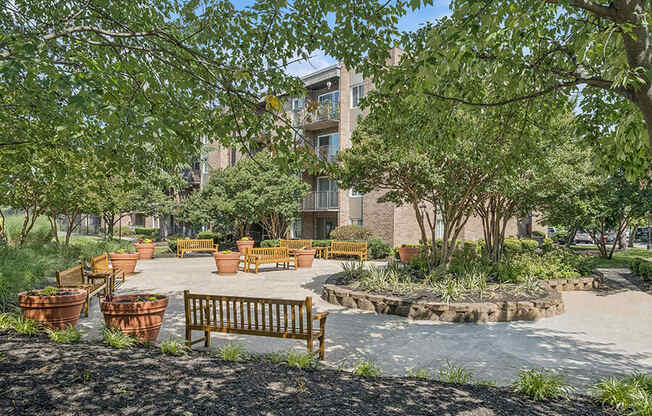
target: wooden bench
<point>100,265</point>
<point>195,245</point>
<point>348,248</point>
<point>253,316</point>
<point>268,255</point>
<point>76,278</point>
<point>295,244</point>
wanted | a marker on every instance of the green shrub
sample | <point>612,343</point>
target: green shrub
<point>378,249</point>
<point>547,245</point>
<point>233,352</point>
<point>452,373</point>
<point>629,395</point>
<point>642,268</point>
<point>270,243</point>
<point>173,347</point>
<point>90,249</point>
<point>115,338</point>
<point>65,336</point>
<point>351,233</point>
<point>537,233</point>
<point>149,232</point>
<point>26,326</point>
<point>321,243</point>
<point>560,237</point>
<point>367,369</point>
<point>511,247</point>
<point>172,241</point>
<point>471,248</point>
<point>40,234</point>
<point>301,359</point>
<point>418,373</point>
<point>209,235</point>
<point>7,321</point>
<point>529,245</point>
<point>541,385</point>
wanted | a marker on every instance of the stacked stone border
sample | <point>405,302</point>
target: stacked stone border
<point>548,305</point>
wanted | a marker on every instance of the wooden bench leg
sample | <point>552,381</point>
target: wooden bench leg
<point>88,301</point>
<point>207,339</point>
<point>188,334</point>
<point>322,350</point>
<point>310,341</point>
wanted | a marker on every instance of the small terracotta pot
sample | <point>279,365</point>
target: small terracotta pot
<point>124,261</point>
<point>141,320</point>
<point>227,263</point>
<point>243,245</point>
<point>304,258</point>
<point>145,250</point>
<point>407,253</point>
<point>56,311</point>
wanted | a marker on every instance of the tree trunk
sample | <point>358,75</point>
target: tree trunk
<point>163,227</point>
<point>53,225</point>
<point>3,230</point>
<point>632,235</point>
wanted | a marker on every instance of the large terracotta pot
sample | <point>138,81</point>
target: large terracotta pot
<point>304,257</point>
<point>227,263</point>
<point>141,320</point>
<point>407,253</point>
<point>56,311</point>
<point>243,245</point>
<point>145,250</point>
<point>124,261</point>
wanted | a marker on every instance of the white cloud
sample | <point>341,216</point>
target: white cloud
<point>318,61</point>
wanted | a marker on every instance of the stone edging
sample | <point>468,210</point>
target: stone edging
<point>549,305</point>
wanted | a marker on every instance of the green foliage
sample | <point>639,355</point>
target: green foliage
<point>274,357</point>
<point>117,339</point>
<point>378,249</point>
<point>541,385</point>
<point>351,233</point>
<point>529,246</point>
<point>25,326</point>
<point>557,264</point>
<point>208,235</point>
<point>147,232</point>
<point>7,321</point>
<point>321,243</point>
<point>173,347</point>
<point>233,352</point>
<point>512,246</point>
<point>40,234</point>
<point>367,369</point>
<point>418,373</point>
<point>452,373</point>
<point>69,335</point>
<point>537,233</point>
<point>302,359</point>
<point>172,241</point>
<point>547,245</point>
<point>270,243</point>
<point>641,267</point>
<point>560,237</point>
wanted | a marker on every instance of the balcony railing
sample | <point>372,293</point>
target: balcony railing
<point>324,112</point>
<point>327,153</point>
<point>321,201</point>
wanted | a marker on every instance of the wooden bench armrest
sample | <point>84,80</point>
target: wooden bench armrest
<point>321,315</point>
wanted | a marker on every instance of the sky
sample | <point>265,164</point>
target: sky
<point>410,22</point>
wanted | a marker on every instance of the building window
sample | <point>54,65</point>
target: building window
<point>297,104</point>
<point>297,228</point>
<point>357,93</point>
<point>355,221</point>
<point>205,168</point>
<point>354,194</point>
<point>327,146</point>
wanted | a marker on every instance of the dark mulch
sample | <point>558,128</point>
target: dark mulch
<point>39,377</point>
<point>644,285</point>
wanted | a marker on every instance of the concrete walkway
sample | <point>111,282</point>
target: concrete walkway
<point>601,334</point>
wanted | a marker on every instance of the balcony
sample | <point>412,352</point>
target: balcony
<point>323,117</point>
<point>326,153</point>
<point>321,201</point>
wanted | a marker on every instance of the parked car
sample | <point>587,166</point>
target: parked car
<point>610,236</point>
<point>582,237</point>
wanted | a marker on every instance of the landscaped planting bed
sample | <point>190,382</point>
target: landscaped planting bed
<point>39,377</point>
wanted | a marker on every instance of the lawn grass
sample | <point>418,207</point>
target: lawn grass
<point>622,259</point>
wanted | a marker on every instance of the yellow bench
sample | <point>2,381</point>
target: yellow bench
<point>76,278</point>
<point>295,244</point>
<point>270,255</point>
<point>348,248</point>
<point>195,245</point>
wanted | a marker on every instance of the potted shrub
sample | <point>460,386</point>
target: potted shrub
<point>304,257</point>
<point>124,260</point>
<point>55,307</point>
<point>145,248</point>
<point>227,261</point>
<point>243,244</point>
<point>408,251</point>
<point>139,316</point>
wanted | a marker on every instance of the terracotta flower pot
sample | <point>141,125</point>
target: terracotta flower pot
<point>243,245</point>
<point>141,320</point>
<point>407,253</point>
<point>124,261</point>
<point>227,263</point>
<point>56,311</point>
<point>145,250</point>
<point>304,257</point>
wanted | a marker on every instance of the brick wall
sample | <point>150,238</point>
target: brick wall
<point>378,217</point>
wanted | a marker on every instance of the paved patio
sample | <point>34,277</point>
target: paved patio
<point>601,334</point>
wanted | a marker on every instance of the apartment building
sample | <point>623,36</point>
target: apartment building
<point>337,92</point>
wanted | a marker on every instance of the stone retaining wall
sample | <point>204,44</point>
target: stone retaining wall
<point>548,305</point>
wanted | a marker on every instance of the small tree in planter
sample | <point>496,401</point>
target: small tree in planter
<point>139,316</point>
<point>227,262</point>
<point>124,260</point>
<point>145,248</point>
<point>55,307</point>
<point>244,244</point>
<point>304,257</point>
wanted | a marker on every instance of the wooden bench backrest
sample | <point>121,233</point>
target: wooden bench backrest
<point>348,246</point>
<point>73,276</point>
<point>258,316</point>
<point>294,244</point>
<point>269,253</point>
<point>208,243</point>
<point>100,263</point>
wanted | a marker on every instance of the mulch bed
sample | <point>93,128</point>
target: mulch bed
<point>638,281</point>
<point>39,377</point>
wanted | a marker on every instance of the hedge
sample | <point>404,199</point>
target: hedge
<point>378,249</point>
<point>512,246</point>
<point>270,243</point>
<point>149,232</point>
<point>209,235</point>
<point>642,267</point>
<point>529,245</point>
<point>351,233</point>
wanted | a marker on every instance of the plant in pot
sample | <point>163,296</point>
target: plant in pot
<point>304,257</point>
<point>145,248</point>
<point>124,260</point>
<point>56,307</point>
<point>227,261</point>
<point>139,316</point>
<point>244,244</point>
<point>408,251</point>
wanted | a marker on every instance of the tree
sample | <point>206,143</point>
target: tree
<point>600,50</point>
